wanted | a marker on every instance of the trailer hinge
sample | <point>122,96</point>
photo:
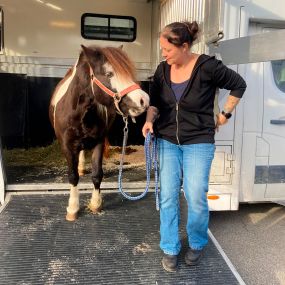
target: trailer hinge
<point>231,157</point>
<point>230,170</point>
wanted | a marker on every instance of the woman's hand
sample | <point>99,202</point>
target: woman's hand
<point>221,120</point>
<point>148,127</point>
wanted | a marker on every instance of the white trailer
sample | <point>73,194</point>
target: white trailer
<point>258,130</point>
<point>249,164</point>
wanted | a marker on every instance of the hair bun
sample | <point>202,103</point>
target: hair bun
<point>193,29</point>
<point>178,33</point>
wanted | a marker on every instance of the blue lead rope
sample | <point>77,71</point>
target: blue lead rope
<point>151,157</point>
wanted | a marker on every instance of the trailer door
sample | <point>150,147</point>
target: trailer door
<point>271,173</point>
<point>273,130</point>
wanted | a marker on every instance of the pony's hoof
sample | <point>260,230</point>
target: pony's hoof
<point>95,210</point>
<point>71,217</point>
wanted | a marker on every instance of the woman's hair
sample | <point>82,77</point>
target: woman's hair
<point>178,33</point>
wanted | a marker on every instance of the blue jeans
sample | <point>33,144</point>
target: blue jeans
<point>191,165</point>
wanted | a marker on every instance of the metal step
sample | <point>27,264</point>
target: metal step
<point>119,246</point>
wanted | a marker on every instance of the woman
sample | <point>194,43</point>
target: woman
<point>181,113</point>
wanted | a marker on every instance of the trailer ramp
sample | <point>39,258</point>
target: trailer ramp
<point>118,246</point>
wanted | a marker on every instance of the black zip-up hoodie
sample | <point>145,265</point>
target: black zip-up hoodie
<point>191,120</point>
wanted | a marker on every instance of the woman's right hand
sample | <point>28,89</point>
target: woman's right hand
<point>148,127</point>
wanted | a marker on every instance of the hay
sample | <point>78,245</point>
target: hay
<point>51,155</point>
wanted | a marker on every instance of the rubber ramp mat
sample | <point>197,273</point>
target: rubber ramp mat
<point>119,246</point>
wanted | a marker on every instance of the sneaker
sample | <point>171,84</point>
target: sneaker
<point>170,262</point>
<point>192,256</point>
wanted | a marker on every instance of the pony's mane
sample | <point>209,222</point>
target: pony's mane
<point>119,61</point>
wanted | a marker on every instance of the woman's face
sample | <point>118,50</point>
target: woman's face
<point>170,52</point>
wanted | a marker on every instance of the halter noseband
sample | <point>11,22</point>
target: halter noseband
<point>116,96</point>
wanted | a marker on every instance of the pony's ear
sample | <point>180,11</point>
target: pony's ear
<point>90,53</point>
<point>87,51</point>
<point>121,47</point>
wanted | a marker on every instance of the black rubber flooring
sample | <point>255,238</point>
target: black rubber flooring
<point>119,246</point>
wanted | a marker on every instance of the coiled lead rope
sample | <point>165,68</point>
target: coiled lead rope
<point>151,156</point>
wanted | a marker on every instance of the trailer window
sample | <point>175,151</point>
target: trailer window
<point>1,31</point>
<point>108,27</point>
<point>278,68</point>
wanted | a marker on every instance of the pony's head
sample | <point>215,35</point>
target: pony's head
<point>112,74</point>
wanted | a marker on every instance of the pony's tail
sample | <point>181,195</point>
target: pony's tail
<point>106,152</point>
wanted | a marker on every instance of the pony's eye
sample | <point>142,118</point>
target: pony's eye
<point>109,74</point>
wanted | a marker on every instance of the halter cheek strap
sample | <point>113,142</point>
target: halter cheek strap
<point>116,96</point>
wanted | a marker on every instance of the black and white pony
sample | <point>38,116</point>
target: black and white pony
<point>83,107</point>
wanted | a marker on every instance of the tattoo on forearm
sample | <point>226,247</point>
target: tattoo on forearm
<point>231,103</point>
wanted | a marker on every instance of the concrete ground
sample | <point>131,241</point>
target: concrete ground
<point>254,240</point>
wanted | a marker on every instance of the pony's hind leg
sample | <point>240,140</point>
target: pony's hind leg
<point>96,201</point>
<point>73,178</point>
<point>81,163</point>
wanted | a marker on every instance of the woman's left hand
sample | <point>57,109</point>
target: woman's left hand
<point>221,120</point>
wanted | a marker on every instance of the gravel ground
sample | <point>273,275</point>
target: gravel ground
<point>254,240</point>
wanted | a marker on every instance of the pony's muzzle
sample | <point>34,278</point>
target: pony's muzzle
<point>144,102</point>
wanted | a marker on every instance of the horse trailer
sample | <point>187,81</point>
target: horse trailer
<point>41,39</point>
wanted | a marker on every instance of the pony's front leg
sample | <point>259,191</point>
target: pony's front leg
<point>73,178</point>
<point>73,204</point>
<point>97,175</point>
